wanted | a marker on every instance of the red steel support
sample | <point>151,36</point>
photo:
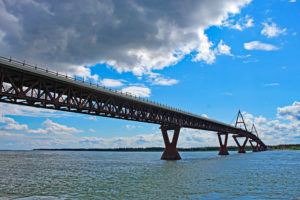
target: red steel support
<point>242,123</point>
<point>223,146</point>
<point>241,147</point>
<point>170,152</point>
<point>255,148</point>
<point>260,148</point>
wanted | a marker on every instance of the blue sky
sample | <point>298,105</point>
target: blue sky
<point>211,58</point>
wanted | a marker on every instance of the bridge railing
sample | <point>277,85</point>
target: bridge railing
<point>81,80</point>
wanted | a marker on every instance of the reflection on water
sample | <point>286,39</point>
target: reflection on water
<point>142,175</point>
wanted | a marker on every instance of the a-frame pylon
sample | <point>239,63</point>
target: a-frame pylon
<point>240,121</point>
<point>255,146</point>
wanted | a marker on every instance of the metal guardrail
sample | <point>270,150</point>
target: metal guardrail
<point>81,80</point>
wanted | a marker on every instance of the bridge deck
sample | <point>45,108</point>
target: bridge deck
<point>32,86</point>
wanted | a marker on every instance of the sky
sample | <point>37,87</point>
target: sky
<point>208,57</point>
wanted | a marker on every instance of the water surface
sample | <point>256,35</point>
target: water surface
<point>142,175</point>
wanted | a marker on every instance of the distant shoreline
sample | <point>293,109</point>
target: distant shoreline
<point>160,149</point>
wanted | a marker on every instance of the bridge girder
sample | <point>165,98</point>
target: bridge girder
<point>29,86</point>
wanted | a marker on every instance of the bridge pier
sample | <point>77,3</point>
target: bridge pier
<point>241,147</point>
<point>170,152</point>
<point>255,148</point>
<point>260,148</point>
<point>223,146</point>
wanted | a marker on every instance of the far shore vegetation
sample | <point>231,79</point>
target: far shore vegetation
<point>149,149</point>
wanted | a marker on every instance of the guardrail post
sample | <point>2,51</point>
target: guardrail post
<point>223,146</point>
<point>170,152</point>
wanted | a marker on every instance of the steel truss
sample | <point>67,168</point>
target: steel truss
<point>30,87</point>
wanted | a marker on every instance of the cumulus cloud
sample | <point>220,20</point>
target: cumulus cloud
<point>241,24</point>
<point>136,36</point>
<point>111,82</point>
<point>52,128</point>
<point>12,125</point>
<point>277,131</point>
<point>257,45</point>
<point>290,112</point>
<point>56,128</point>
<point>223,49</point>
<point>272,30</point>
<point>283,129</point>
<point>15,127</point>
<point>139,91</point>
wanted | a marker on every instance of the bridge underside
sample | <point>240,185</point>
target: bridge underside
<point>30,86</point>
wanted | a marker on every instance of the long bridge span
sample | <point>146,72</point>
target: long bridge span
<point>25,84</point>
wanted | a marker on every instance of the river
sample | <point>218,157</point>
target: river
<point>30,175</point>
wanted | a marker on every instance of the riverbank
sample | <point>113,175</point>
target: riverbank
<point>158,149</point>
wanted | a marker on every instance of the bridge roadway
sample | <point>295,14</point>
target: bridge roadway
<point>29,85</point>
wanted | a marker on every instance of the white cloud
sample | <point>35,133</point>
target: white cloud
<point>164,81</point>
<point>55,128</point>
<point>15,127</point>
<point>257,45</point>
<point>292,1</point>
<point>135,36</point>
<point>204,115</point>
<point>6,120</point>
<point>289,112</point>
<point>129,126</point>
<point>205,53</point>
<point>260,120</point>
<point>158,79</point>
<point>284,129</point>
<point>241,24</point>
<point>111,82</point>
<point>38,131</point>
<point>272,30</point>
<point>276,131</point>
<point>222,48</point>
<point>139,91</point>
<point>92,130</point>
<point>51,127</point>
<point>93,118</point>
<point>18,110</point>
<point>271,84</point>
<point>12,125</point>
<point>188,138</point>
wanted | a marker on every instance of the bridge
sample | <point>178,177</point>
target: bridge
<point>29,85</point>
